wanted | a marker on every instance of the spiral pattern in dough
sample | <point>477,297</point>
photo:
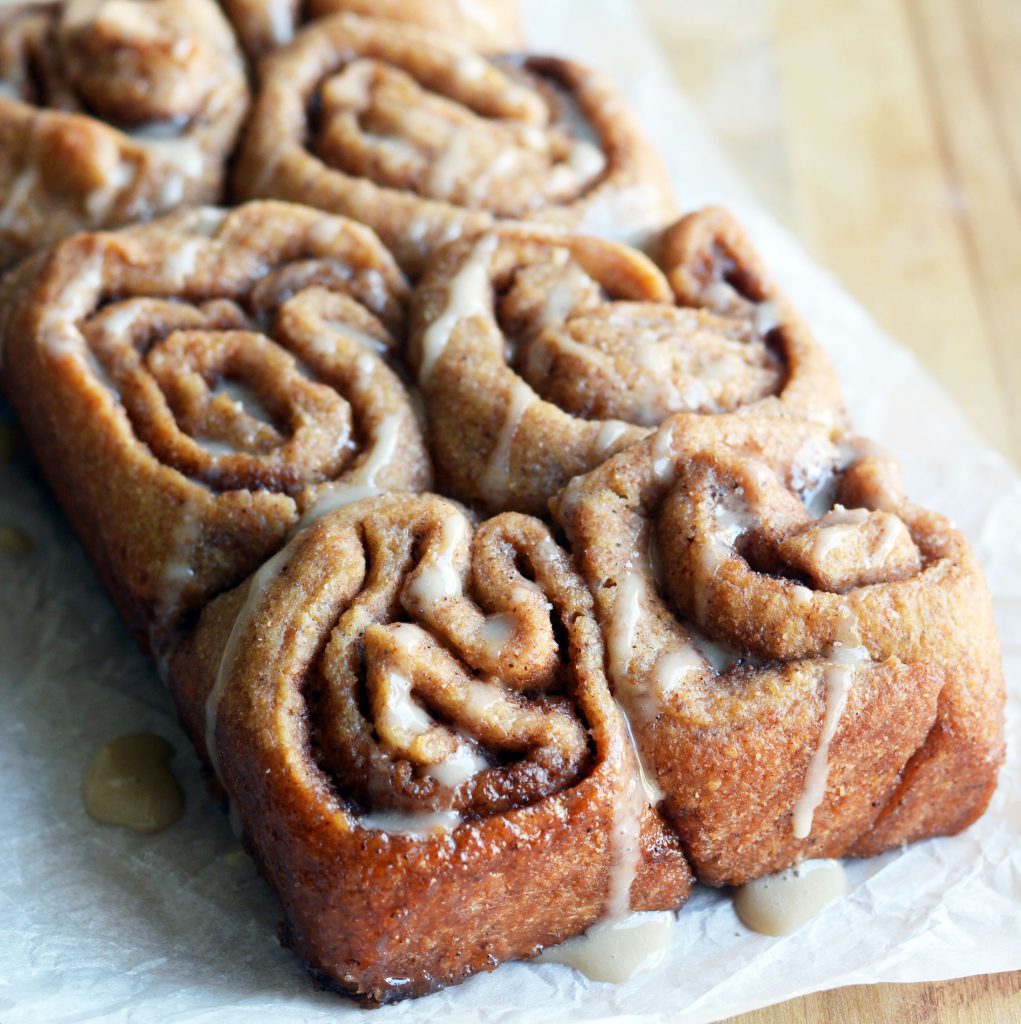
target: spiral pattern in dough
<point>217,377</point>
<point>541,354</point>
<point>412,720</point>
<point>112,111</point>
<point>810,661</point>
<point>425,140</point>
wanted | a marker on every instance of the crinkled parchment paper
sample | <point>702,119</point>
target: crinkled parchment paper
<point>101,924</point>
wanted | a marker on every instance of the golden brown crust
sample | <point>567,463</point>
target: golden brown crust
<point>540,354</point>
<point>425,141</point>
<point>194,386</point>
<point>350,682</point>
<point>870,599</point>
<point>112,112</point>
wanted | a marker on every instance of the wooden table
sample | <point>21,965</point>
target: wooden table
<point>887,135</point>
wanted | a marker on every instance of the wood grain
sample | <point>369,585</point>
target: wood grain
<point>887,135</point>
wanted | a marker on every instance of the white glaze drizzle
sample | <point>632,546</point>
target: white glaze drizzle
<point>844,656</point>
<point>627,610</point>
<point>99,201</point>
<point>180,264</point>
<point>16,199</point>
<point>674,667</point>
<point>663,467</point>
<point>440,580</point>
<point>244,399</point>
<point>468,294</point>
<point>495,481</point>
<point>362,481</point>
<point>607,436</point>
<point>411,823</point>
<point>179,568</point>
<point>838,524</point>
<point>766,317</point>
<point>893,530</point>
<point>731,519</point>
<point>451,163</point>
<point>400,714</point>
<point>621,944</point>
<point>280,21</point>
<point>358,485</point>
<point>367,341</point>
<point>185,163</point>
<point>497,632</point>
<point>255,590</point>
<point>457,768</point>
<point>406,719</point>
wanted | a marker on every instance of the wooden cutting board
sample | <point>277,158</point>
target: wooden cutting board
<point>887,135</point>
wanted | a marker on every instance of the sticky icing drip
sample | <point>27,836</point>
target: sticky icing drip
<point>179,569</point>
<point>618,950</point>
<point>844,656</point>
<point>439,579</point>
<point>405,719</point>
<point>731,518</point>
<point>780,904</point>
<point>468,294</point>
<point>839,523</point>
<point>411,823</point>
<point>257,586</point>
<point>662,455</point>
<point>128,782</point>
<point>281,21</point>
<point>361,482</point>
<point>608,435</point>
<point>627,610</point>
<point>622,944</point>
<point>495,482</point>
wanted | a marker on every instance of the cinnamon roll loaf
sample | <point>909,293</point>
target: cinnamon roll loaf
<point>809,661</point>
<point>111,111</point>
<point>541,354</point>
<point>486,25</point>
<point>412,720</point>
<point>425,140</point>
<point>194,387</point>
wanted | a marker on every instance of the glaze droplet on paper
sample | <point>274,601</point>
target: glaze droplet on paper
<point>128,782</point>
<point>616,949</point>
<point>780,904</point>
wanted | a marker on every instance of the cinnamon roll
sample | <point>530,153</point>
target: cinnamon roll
<point>540,354</point>
<point>424,140</point>
<point>112,111</point>
<point>809,660</point>
<point>487,25</point>
<point>192,388</point>
<point>412,721</point>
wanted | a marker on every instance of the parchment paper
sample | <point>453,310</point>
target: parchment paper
<point>101,924</point>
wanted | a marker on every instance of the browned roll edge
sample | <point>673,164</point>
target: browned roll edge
<point>916,751</point>
<point>379,914</point>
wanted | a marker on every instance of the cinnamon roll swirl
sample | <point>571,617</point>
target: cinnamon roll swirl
<point>540,354</point>
<point>192,388</point>
<point>810,661</point>
<point>412,721</point>
<point>487,25</point>
<point>425,140</point>
<point>112,111</point>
